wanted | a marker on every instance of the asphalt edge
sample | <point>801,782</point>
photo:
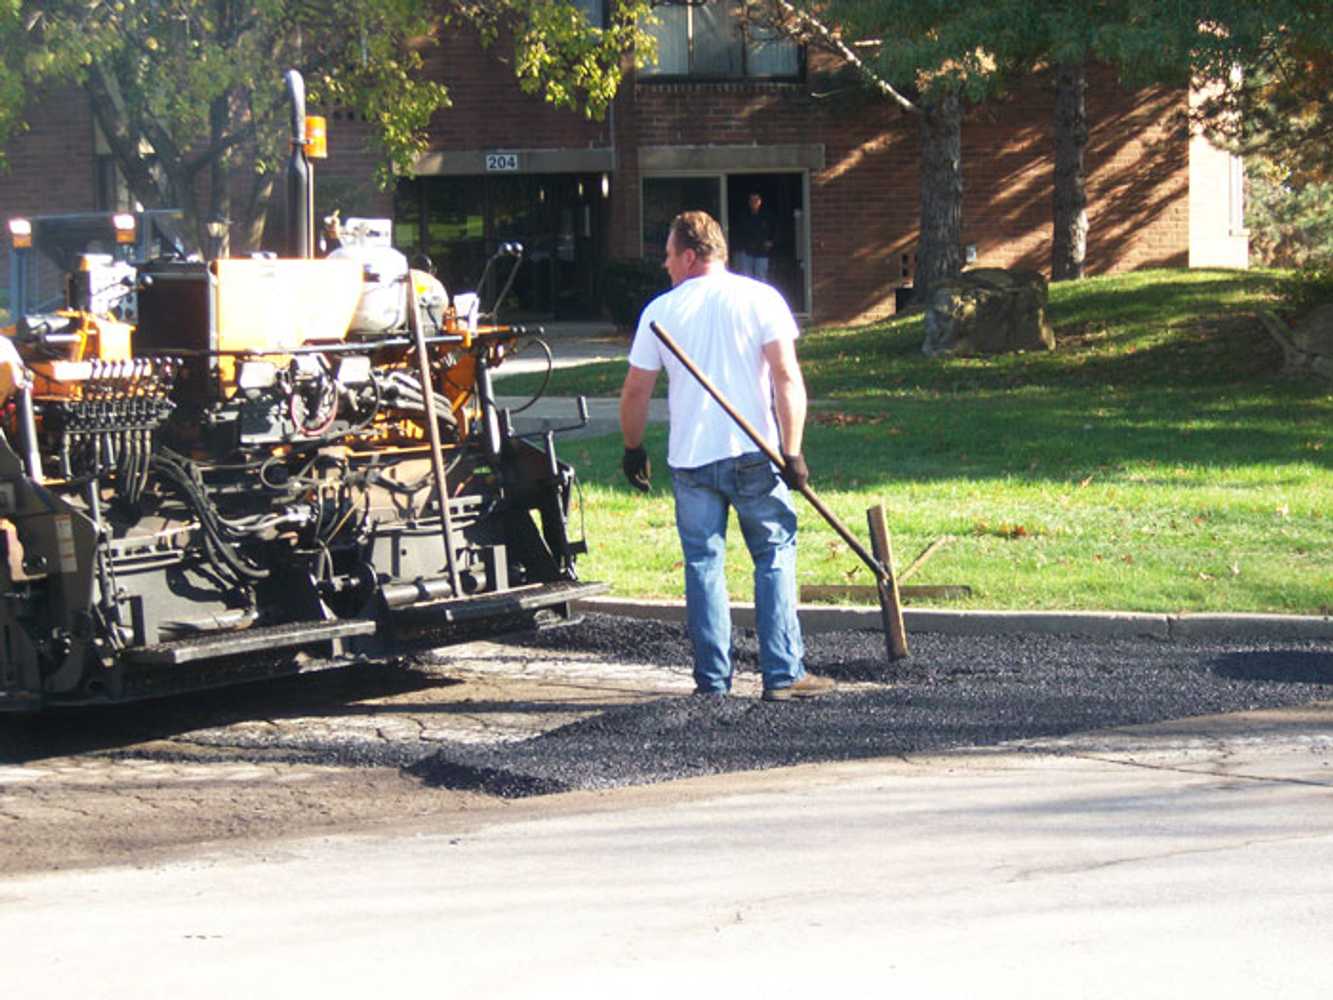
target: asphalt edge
<point>1087,624</point>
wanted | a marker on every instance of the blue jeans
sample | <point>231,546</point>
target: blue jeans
<point>750,484</point>
<point>752,265</point>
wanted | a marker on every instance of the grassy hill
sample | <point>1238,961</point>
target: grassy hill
<point>1157,460</point>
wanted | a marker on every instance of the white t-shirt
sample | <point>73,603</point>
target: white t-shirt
<point>721,321</point>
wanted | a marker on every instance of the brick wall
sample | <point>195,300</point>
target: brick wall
<point>862,201</point>
<point>51,165</point>
<point>489,109</point>
<point>1137,164</point>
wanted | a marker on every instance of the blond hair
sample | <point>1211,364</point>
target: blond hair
<point>699,231</point>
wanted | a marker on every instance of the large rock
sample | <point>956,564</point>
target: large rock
<point>1314,333</point>
<point>1307,347</point>
<point>988,311</point>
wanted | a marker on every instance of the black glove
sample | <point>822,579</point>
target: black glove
<point>795,474</point>
<point>638,470</point>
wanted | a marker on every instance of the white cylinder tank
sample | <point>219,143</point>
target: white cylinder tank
<point>383,302</point>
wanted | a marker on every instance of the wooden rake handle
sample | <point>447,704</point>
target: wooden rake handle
<point>882,574</point>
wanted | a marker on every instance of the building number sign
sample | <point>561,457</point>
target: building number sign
<point>501,162</point>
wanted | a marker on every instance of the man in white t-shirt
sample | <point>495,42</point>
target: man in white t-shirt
<point>741,334</point>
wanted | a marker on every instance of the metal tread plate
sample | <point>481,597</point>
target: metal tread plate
<point>214,644</point>
<point>530,598</point>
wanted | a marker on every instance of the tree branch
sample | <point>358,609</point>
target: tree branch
<point>198,161</point>
<point>124,142</point>
<point>834,42</point>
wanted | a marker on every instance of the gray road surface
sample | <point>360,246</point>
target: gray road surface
<point>1178,860</point>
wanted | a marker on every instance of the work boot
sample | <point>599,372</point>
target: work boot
<point>808,686</point>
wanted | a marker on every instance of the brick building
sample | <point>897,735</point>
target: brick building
<point>729,111</point>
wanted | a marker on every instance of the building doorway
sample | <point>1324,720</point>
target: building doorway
<point>459,222</point>
<point>784,201</point>
<point>726,197</point>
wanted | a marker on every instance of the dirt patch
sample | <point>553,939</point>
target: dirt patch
<point>298,757</point>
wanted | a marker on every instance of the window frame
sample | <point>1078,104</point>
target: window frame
<point>597,19</point>
<point>649,74</point>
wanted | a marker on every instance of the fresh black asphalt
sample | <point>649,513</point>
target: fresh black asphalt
<point>952,692</point>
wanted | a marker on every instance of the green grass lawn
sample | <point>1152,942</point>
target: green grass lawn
<point>1156,461</point>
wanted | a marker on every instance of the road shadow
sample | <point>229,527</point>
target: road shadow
<point>86,729</point>
<point>1311,667</point>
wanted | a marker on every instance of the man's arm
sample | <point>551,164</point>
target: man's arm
<point>788,393</point>
<point>635,395</point>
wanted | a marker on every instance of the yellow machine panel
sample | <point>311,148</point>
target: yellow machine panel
<point>265,305</point>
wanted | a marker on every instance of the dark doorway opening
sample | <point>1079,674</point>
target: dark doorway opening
<point>460,221</point>
<point>783,199</point>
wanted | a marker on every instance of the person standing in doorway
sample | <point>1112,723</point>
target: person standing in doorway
<point>753,239</point>
<point>742,335</point>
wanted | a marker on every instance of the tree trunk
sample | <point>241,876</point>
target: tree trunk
<point>124,141</point>
<point>1069,246</point>
<point>219,179</point>
<point>250,227</point>
<point>940,250</point>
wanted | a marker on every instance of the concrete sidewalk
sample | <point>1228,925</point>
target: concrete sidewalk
<point>571,344</point>
<point>1090,624</point>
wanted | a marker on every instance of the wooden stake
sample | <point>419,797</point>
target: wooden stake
<point>890,608</point>
<point>926,553</point>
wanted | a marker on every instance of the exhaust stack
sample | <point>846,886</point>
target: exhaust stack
<point>300,189</point>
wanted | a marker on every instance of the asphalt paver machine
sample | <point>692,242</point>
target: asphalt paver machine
<point>219,470</point>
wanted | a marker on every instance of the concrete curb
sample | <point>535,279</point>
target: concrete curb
<point>1089,624</point>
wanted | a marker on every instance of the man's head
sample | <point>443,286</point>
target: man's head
<point>694,245</point>
<point>756,201</point>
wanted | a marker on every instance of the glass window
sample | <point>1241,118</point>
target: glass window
<point>717,40</point>
<point>768,53</point>
<point>444,218</point>
<point>666,197</point>
<point>407,216</point>
<point>594,11</point>
<point>672,33</point>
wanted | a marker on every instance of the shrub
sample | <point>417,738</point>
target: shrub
<point>628,284</point>
<point>1309,287</point>
<point>1290,220</point>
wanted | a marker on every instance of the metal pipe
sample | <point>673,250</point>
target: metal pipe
<point>358,347</point>
<point>28,427</point>
<point>433,432</point>
<point>490,420</point>
<point>398,595</point>
<point>300,227</point>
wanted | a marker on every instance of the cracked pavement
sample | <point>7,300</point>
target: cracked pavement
<point>454,737</point>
